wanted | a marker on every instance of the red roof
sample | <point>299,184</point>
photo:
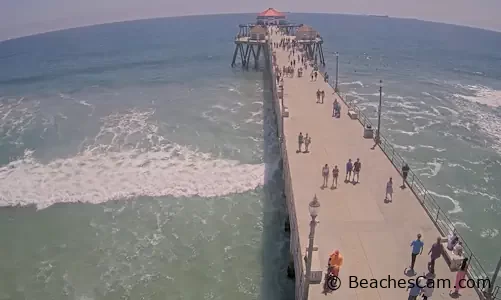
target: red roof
<point>271,12</point>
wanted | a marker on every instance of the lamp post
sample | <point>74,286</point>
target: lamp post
<point>378,132</point>
<point>337,72</point>
<point>313,207</point>
<point>493,280</point>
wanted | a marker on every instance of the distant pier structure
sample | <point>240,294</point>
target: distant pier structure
<point>251,40</point>
<point>312,43</point>
<point>249,44</point>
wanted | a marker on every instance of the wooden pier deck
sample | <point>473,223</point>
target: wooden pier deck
<point>373,236</point>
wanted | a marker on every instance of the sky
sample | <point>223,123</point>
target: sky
<point>26,17</point>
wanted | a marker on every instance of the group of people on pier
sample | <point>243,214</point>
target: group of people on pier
<point>306,140</point>
<point>352,173</point>
<point>424,288</point>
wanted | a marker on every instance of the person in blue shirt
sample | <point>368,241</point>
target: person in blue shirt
<point>417,249</point>
<point>414,290</point>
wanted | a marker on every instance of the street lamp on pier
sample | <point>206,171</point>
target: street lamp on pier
<point>336,89</point>
<point>313,207</point>
<point>378,132</point>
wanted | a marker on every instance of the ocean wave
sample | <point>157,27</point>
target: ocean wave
<point>126,159</point>
<point>359,83</point>
<point>434,167</point>
<point>457,208</point>
<point>432,148</point>
<point>481,94</point>
<point>484,117</point>
<point>489,233</point>
<point>93,178</point>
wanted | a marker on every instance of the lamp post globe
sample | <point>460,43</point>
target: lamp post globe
<point>314,207</point>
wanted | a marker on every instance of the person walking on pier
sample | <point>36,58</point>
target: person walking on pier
<point>389,190</point>
<point>335,175</point>
<point>333,267</point>
<point>318,95</point>
<point>405,172</point>
<point>377,141</point>
<point>307,142</point>
<point>417,249</point>
<point>326,77</point>
<point>427,287</point>
<point>300,141</point>
<point>322,95</point>
<point>316,75</point>
<point>349,168</point>
<point>460,277</point>
<point>357,166</point>
<point>414,291</point>
<point>436,252</point>
<point>325,174</point>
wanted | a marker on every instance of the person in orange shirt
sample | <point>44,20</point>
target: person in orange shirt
<point>335,263</point>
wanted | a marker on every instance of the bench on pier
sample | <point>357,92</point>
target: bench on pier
<point>316,266</point>
<point>285,112</point>
<point>353,114</point>
<point>452,259</point>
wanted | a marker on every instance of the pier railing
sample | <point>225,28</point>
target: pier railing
<point>425,197</point>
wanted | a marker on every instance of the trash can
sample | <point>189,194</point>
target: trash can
<point>368,132</point>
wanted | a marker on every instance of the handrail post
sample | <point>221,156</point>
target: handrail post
<point>493,280</point>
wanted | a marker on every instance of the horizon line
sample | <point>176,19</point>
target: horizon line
<point>246,13</point>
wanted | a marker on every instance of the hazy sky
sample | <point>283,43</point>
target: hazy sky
<point>23,17</point>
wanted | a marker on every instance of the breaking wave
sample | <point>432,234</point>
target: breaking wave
<point>127,158</point>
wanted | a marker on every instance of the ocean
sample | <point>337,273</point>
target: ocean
<point>136,164</point>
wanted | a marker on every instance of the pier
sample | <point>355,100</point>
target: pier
<point>373,235</point>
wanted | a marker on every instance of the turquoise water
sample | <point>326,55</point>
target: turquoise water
<point>145,167</point>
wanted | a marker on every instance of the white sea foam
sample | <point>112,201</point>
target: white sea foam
<point>482,95</point>
<point>434,167</point>
<point>476,191</point>
<point>461,224</point>
<point>489,233</point>
<point>488,121</point>
<point>457,208</point>
<point>452,165</point>
<point>410,133</point>
<point>433,148</point>
<point>395,97</point>
<point>359,83</point>
<point>405,148</point>
<point>127,158</point>
<point>452,111</point>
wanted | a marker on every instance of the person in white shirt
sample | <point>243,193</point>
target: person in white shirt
<point>458,249</point>
<point>452,240</point>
